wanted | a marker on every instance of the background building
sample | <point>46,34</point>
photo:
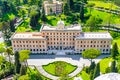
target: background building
<point>63,39</point>
<point>52,7</point>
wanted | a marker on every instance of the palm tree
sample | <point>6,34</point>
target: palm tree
<point>9,52</point>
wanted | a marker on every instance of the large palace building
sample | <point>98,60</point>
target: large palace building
<point>61,39</point>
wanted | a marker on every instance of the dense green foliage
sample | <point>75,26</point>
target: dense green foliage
<point>104,64</point>
<point>91,53</point>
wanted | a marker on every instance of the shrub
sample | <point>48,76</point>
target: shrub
<point>6,72</point>
<point>108,70</point>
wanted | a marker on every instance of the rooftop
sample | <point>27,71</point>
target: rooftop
<point>48,2</point>
<point>94,35</point>
<point>28,35</point>
<point>60,26</point>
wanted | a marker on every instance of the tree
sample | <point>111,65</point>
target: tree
<point>92,66</point>
<point>24,55</point>
<point>114,51</point>
<point>4,26</point>
<point>96,71</point>
<point>71,4</point>
<point>17,2</point>
<point>25,1</point>
<point>43,17</point>
<point>91,74</point>
<point>82,12</point>
<point>66,9</point>
<point>17,63</point>
<point>91,53</point>
<point>23,70</point>
<point>9,52</point>
<point>92,23</point>
<point>5,7</point>
<point>2,48</point>
<point>85,1</point>
<point>34,14</point>
<point>12,27</point>
<point>40,3</point>
<point>113,67</point>
<point>2,59</point>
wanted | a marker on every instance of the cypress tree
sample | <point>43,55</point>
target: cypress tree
<point>12,27</point>
<point>114,52</point>
<point>71,4</point>
<point>23,70</point>
<point>43,16</point>
<point>17,63</point>
<point>113,67</point>
<point>66,9</point>
<point>96,71</point>
<point>91,74</point>
<point>82,12</point>
<point>92,66</point>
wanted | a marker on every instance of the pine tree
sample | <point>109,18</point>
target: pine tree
<point>96,71</point>
<point>17,63</point>
<point>114,52</point>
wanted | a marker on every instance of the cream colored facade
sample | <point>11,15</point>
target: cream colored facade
<point>52,7</point>
<point>60,38</point>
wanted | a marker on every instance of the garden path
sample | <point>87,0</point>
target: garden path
<point>68,60</point>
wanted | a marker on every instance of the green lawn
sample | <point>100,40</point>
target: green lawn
<point>52,19</point>
<point>104,63</point>
<point>114,19</point>
<point>104,4</point>
<point>59,68</point>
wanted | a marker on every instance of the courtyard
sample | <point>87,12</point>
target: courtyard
<point>75,60</point>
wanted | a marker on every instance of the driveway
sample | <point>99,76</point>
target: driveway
<point>45,59</point>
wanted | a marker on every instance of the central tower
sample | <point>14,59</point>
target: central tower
<point>60,25</point>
